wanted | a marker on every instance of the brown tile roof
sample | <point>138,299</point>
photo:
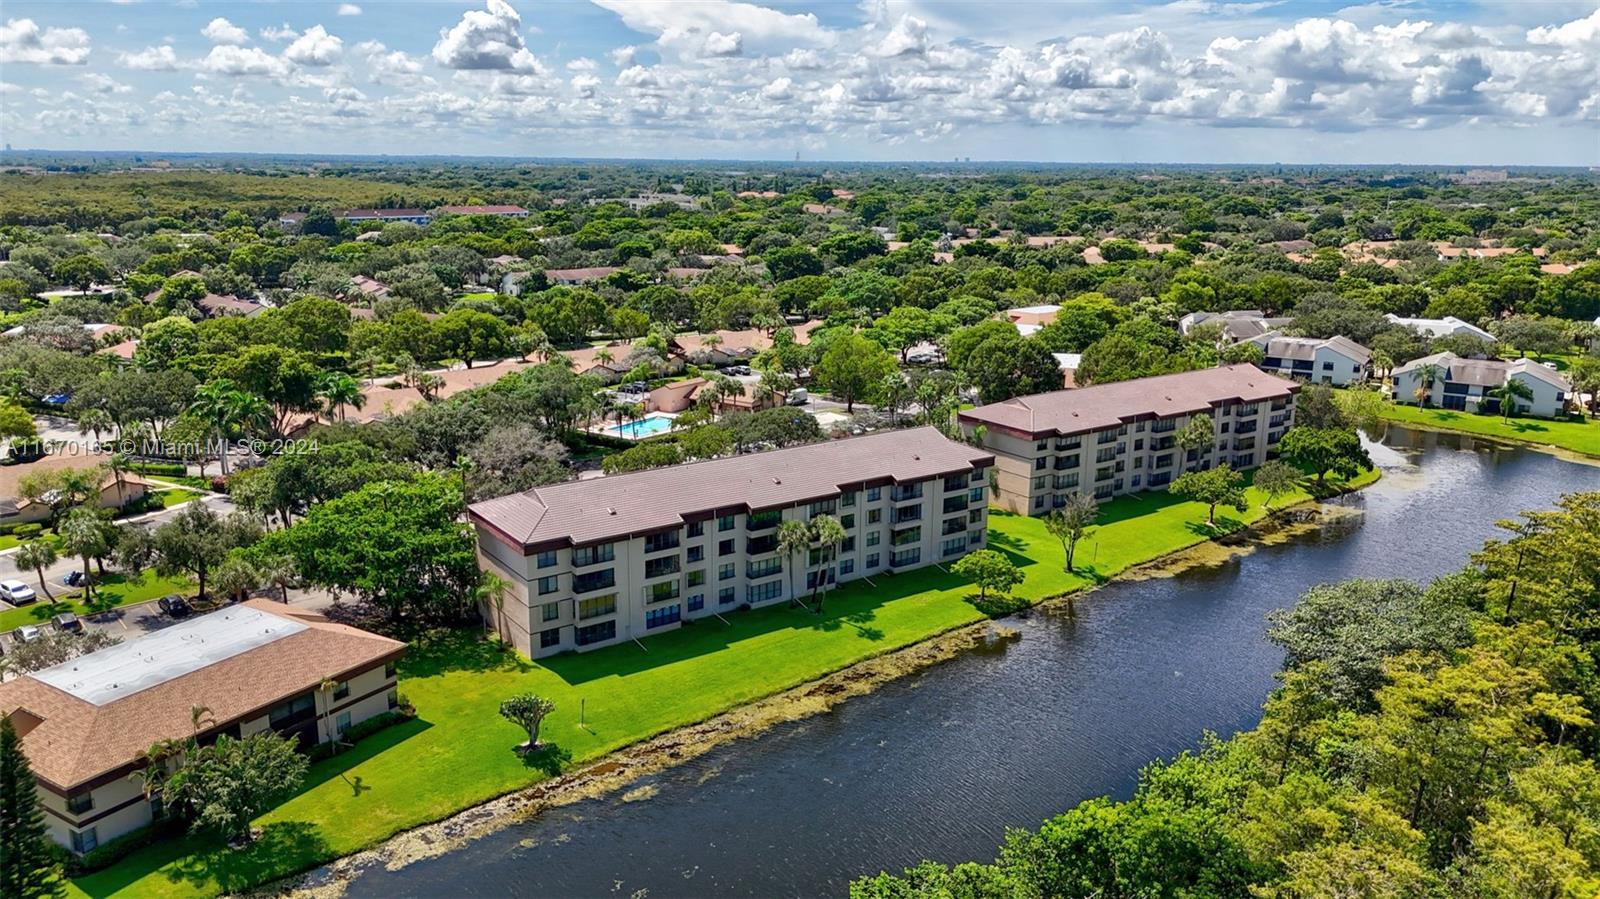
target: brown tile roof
<point>482,210</point>
<point>618,505</point>
<point>213,304</point>
<point>1110,405</point>
<point>78,741</point>
<point>594,273</point>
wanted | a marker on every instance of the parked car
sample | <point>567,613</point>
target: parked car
<point>29,633</point>
<point>174,605</point>
<point>67,622</point>
<point>73,579</point>
<point>16,592</point>
<point>23,451</point>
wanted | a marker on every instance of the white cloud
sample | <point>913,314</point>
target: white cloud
<point>909,37</point>
<point>622,57</point>
<point>23,41</point>
<point>381,61</point>
<point>489,38</point>
<point>279,33</point>
<point>349,9</point>
<point>719,44</point>
<point>755,23</point>
<point>104,84</point>
<point>240,61</point>
<point>222,31</point>
<point>151,59</point>
<point>1573,35</point>
<point>582,64</point>
<point>316,47</point>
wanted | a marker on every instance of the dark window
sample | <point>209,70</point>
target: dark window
<point>725,548</point>
<point>697,602</point>
<point>295,711</point>
<point>549,638</point>
<point>80,803</point>
<point>662,617</point>
<point>341,690</point>
<point>697,528</point>
<point>547,558</point>
<point>696,553</point>
<point>597,633</point>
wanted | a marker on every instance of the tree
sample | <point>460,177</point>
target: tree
<point>826,534</point>
<point>83,534</point>
<point>794,541</point>
<point>1276,478</point>
<point>528,712</point>
<point>1321,450</point>
<point>28,860</point>
<point>222,787</point>
<point>1196,437</point>
<point>852,368</point>
<point>785,263</point>
<point>15,422</point>
<point>197,540</point>
<point>225,407</point>
<point>1508,393</point>
<point>1071,522</point>
<point>338,390</point>
<point>1214,487</point>
<point>988,569</point>
<point>36,555</point>
<point>469,335</point>
<point>236,577</point>
<point>81,271</point>
<point>1003,367</point>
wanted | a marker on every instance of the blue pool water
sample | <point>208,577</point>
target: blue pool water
<point>644,427</point>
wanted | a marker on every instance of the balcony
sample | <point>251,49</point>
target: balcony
<point>905,514</point>
<point>1065,462</point>
<point>584,556</point>
<point>661,567</point>
<point>766,543</point>
<point>666,591</point>
<point>953,526</point>
<point>760,521</point>
<point>954,504</point>
<point>660,543</point>
<point>764,568</point>
<point>905,537</point>
<point>594,580</point>
<point>903,492</point>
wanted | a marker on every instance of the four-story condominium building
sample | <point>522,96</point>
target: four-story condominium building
<point>1119,438</point>
<point>596,562</point>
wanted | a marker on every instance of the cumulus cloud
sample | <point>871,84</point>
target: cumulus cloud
<point>909,37</point>
<point>316,47</point>
<point>242,61</point>
<point>279,33</point>
<point>489,38</point>
<point>349,9</point>
<point>104,84</point>
<point>23,41</point>
<point>151,59</point>
<point>222,31</point>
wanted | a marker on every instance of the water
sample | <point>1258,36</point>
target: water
<point>938,765</point>
<point>641,428</point>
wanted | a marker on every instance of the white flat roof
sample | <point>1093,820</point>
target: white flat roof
<point>120,671</point>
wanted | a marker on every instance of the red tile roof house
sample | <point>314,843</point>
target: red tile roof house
<point>681,395</point>
<point>256,666</point>
<point>112,493</point>
<point>516,212</point>
<point>214,305</point>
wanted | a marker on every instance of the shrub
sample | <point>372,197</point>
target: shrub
<point>28,531</point>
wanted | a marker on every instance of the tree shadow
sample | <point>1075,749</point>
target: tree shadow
<point>437,651</point>
<point>548,758</point>
<point>282,846</point>
<point>997,605</point>
<point>1225,524</point>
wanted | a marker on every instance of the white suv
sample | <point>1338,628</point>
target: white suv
<point>16,592</point>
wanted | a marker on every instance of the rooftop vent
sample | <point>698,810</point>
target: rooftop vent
<point>610,511</point>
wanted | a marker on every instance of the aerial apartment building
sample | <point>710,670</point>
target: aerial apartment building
<point>598,562</point>
<point>1111,439</point>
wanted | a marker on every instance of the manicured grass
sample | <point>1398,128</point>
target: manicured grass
<point>1570,434</point>
<point>113,591</point>
<point>458,751</point>
<point>170,498</point>
<point>7,541</point>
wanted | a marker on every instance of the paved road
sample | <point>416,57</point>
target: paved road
<point>142,618</point>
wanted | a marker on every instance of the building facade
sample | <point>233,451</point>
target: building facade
<point>1108,440</point>
<point>257,666</point>
<point>1338,361</point>
<point>599,562</point>
<point>1447,381</point>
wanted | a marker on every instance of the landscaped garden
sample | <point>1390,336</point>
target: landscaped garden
<point>1577,435</point>
<point>458,751</point>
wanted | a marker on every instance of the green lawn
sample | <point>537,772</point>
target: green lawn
<point>113,591</point>
<point>170,498</point>
<point>458,751</point>
<point>7,541</point>
<point>1577,436</point>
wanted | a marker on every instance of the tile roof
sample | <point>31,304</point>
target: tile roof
<point>616,506</point>
<point>1110,405</point>
<point>77,740</point>
<point>1486,372</point>
<point>1284,347</point>
<point>482,210</point>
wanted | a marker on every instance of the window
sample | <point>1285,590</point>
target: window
<point>848,500</point>
<point>388,671</point>
<point>594,580</point>
<point>696,553</point>
<point>697,602</point>
<point>593,555</point>
<point>341,723</point>
<point>874,516</point>
<point>1038,502</point>
<point>697,528</point>
<point>725,571</point>
<point>662,566</point>
<point>85,839</point>
<point>1040,481</point>
<point>874,494</point>
<point>725,523</point>
<point>847,521</point>
<point>824,507</point>
<point>656,543</point>
<point>550,611</point>
<point>873,537</point>
<point>975,495</point>
<point>549,638</point>
<point>954,545</point>
<point>848,546</point>
<point>696,577</point>
<point>80,803</point>
<point>765,592</point>
<point>907,536</point>
<point>975,517</point>
<point>872,560</point>
<point>393,699</point>
<point>847,565</point>
<point>662,617</point>
<point>549,584</point>
<point>341,690</point>
<point>547,558</point>
<point>763,568</point>
<point>597,633</point>
<point>905,557</point>
<point>597,606</point>
<point>725,548</point>
<point>725,596</point>
<point>288,714</point>
<point>762,520</point>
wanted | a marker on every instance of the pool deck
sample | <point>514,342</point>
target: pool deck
<point>623,430</point>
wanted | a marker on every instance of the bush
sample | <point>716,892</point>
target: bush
<point>160,469</point>
<point>28,531</point>
<point>109,853</point>
<point>358,732</point>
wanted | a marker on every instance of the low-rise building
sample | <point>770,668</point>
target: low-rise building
<point>515,212</point>
<point>414,216</point>
<point>1236,324</point>
<point>86,724</point>
<point>1448,326</point>
<point>1337,360</point>
<point>597,562</point>
<point>1110,439</point>
<point>1448,381</point>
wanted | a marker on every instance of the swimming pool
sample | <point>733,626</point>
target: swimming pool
<point>648,426</point>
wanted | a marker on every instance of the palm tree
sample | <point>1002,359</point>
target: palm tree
<point>827,533</point>
<point>1383,363</point>
<point>603,356</point>
<point>37,555</point>
<point>236,577</point>
<point>1426,375</point>
<point>119,465</point>
<point>794,537</point>
<point>894,393</point>
<point>278,571</point>
<point>81,535</point>
<point>217,401</point>
<point>1508,394</point>
<point>338,390</point>
<point>95,421</point>
<point>773,384</point>
<point>492,590</point>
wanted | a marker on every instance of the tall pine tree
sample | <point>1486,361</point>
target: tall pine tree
<point>28,866</point>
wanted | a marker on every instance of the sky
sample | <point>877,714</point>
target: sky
<point>1209,81</point>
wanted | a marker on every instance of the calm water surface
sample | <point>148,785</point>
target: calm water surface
<point>939,765</point>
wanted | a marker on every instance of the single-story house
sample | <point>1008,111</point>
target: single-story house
<point>1337,360</point>
<point>1442,327</point>
<point>1068,363</point>
<point>216,305</point>
<point>112,494</point>
<point>1463,385</point>
<point>258,666</point>
<point>372,288</point>
<point>414,216</point>
<point>1237,324</point>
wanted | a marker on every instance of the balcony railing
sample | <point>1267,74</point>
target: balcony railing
<point>903,492</point>
<point>597,580</point>
<point>760,521</point>
<point>662,592</point>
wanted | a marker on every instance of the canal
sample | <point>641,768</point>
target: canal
<point>940,764</point>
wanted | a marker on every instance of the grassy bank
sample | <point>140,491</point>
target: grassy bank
<point>1576,436</point>
<point>458,751</point>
